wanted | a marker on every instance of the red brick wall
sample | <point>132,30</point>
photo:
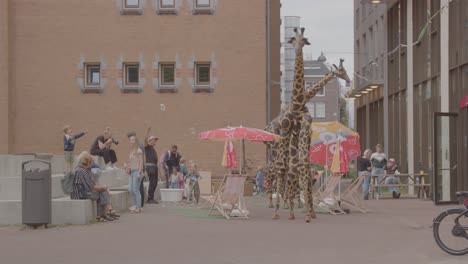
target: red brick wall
<point>51,35</point>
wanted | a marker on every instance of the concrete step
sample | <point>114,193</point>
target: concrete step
<point>65,210</point>
<point>10,187</point>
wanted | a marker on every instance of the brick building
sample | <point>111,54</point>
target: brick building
<point>325,106</point>
<point>183,66</point>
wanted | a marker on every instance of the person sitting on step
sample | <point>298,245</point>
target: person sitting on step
<point>391,170</point>
<point>85,187</point>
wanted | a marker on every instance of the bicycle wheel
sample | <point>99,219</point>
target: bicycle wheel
<point>448,237</point>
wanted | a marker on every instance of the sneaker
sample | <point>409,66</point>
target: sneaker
<point>151,202</point>
<point>109,168</point>
<point>132,208</point>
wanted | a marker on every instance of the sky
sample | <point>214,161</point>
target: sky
<point>329,28</point>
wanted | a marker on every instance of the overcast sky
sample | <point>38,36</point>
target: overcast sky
<point>329,27</point>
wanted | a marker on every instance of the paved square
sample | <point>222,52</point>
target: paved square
<point>397,231</point>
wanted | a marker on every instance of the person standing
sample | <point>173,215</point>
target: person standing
<point>102,147</point>
<point>134,169</point>
<point>151,165</point>
<point>378,160</point>
<point>69,141</point>
<point>194,177</point>
<point>170,161</point>
<point>260,177</point>
<point>175,178</point>
<point>365,168</point>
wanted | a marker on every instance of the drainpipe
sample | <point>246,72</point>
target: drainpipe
<point>268,60</point>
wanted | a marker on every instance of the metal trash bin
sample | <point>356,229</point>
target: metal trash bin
<point>36,193</point>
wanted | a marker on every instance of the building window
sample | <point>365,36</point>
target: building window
<point>203,7</point>
<point>131,7</point>
<point>131,3</point>
<point>203,73</point>
<point>321,92</point>
<point>167,74</point>
<point>93,74</point>
<point>311,107</point>
<point>132,74</point>
<point>167,3</point>
<point>320,110</point>
<point>167,7</point>
<point>202,3</point>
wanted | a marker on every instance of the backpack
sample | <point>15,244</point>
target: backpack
<point>67,182</point>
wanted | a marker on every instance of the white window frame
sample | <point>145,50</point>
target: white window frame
<point>197,6</point>
<point>126,6</point>
<point>321,93</point>
<point>311,108</point>
<point>203,9</point>
<point>162,65</point>
<point>125,77</point>
<point>87,67</point>
<point>324,110</point>
<point>162,6</point>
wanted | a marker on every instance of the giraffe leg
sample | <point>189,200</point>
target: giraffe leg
<point>270,203</point>
<point>300,204</point>
<point>306,184</point>
<point>291,196</point>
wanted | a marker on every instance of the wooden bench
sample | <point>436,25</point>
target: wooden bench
<point>421,186</point>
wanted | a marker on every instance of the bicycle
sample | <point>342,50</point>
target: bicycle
<point>457,232</point>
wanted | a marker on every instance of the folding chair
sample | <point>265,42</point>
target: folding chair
<point>230,197</point>
<point>327,190</point>
<point>352,197</point>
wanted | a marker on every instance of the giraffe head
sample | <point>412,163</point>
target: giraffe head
<point>340,72</point>
<point>299,41</point>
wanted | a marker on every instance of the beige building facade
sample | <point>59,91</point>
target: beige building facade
<point>418,110</point>
<point>182,66</point>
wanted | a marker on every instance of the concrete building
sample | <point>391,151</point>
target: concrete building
<point>325,106</point>
<point>183,66</point>
<point>288,57</point>
<point>419,110</point>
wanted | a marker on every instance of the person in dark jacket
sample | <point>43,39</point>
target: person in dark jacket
<point>102,147</point>
<point>151,164</point>
<point>171,160</point>
<point>69,141</point>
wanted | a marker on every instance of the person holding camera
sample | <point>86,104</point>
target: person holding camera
<point>102,147</point>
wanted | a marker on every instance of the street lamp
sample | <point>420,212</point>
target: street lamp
<point>376,1</point>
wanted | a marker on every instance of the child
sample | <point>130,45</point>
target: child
<point>260,177</point>
<point>175,178</point>
<point>69,141</point>
<point>194,177</point>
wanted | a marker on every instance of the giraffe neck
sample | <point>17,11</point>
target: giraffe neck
<point>311,92</point>
<point>298,98</point>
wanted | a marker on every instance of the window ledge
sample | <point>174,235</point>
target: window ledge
<point>131,89</point>
<point>131,11</point>
<point>203,11</point>
<point>203,89</point>
<point>92,89</point>
<point>166,89</point>
<point>167,11</point>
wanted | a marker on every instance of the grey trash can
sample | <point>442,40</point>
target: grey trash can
<point>37,193</point>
